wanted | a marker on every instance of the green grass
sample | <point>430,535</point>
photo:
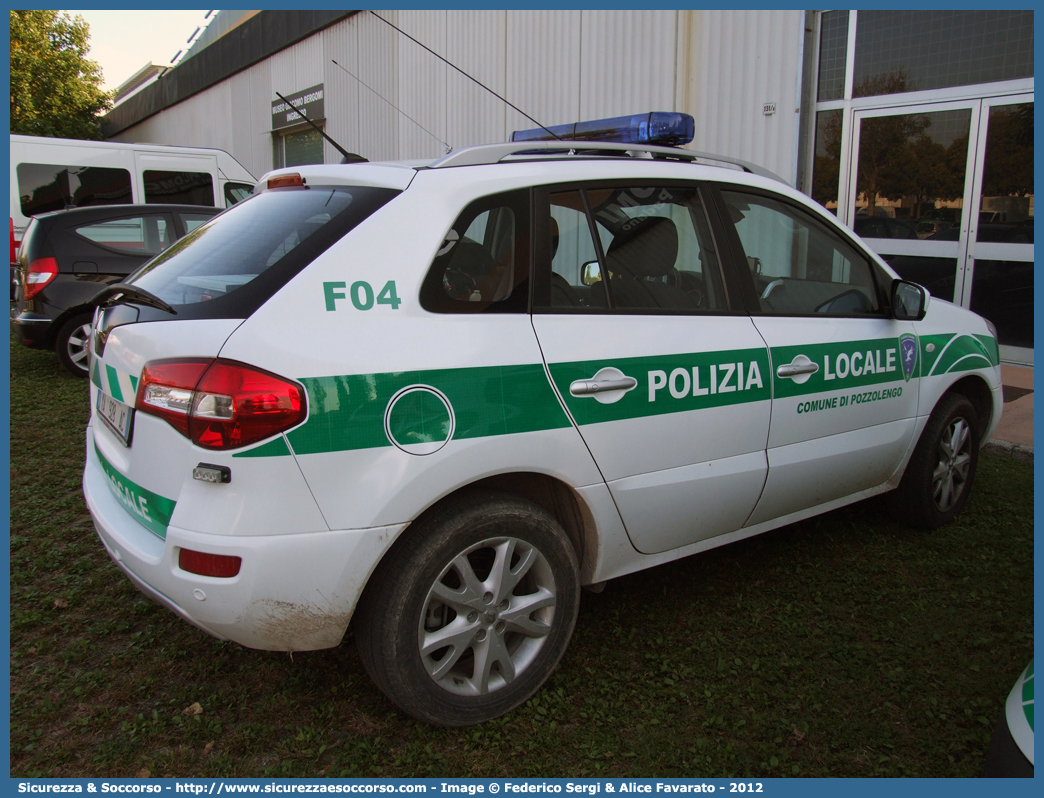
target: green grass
<point>842,646</point>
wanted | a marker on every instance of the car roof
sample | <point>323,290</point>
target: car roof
<point>399,174</point>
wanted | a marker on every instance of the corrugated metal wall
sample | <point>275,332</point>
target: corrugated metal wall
<point>557,66</point>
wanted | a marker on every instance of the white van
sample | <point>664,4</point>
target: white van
<point>49,174</point>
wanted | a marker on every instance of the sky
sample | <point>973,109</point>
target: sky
<point>122,42</point>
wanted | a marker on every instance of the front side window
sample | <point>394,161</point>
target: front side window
<point>483,263</point>
<point>139,235</point>
<point>798,265</point>
<point>178,188</point>
<point>51,187</point>
<point>653,250</point>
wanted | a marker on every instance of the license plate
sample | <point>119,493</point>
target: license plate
<point>118,416</point>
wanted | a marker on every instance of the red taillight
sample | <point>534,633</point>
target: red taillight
<point>224,566</point>
<point>40,272</point>
<point>220,404</point>
<point>14,244</point>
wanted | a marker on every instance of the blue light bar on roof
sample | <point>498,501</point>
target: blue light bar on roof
<point>658,127</point>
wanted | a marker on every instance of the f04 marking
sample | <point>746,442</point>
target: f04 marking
<point>361,295</point>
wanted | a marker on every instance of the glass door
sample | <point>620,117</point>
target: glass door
<point>909,190</point>
<point>944,193</point>
<point>999,276</point>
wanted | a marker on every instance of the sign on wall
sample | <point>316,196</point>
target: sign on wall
<point>309,100</point>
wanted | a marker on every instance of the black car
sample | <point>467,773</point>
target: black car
<point>883,227</point>
<point>67,257</point>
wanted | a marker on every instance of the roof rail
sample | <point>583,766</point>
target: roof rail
<point>486,154</point>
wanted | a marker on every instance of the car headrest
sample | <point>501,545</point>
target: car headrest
<point>648,248</point>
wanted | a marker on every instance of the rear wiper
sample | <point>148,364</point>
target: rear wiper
<point>120,293</point>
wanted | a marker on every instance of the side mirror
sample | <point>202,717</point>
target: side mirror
<point>909,301</point>
<point>590,273</point>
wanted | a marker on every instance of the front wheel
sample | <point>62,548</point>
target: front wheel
<point>72,344</point>
<point>939,477</point>
<point>468,617</point>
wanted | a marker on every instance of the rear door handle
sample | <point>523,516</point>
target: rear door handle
<point>591,387</point>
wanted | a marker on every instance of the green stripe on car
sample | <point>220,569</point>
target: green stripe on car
<point>150,509</point>
<point>348,412</point>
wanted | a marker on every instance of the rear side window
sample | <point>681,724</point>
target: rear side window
<point>53,187</point>
<point>137,235</point>
<point>178,188</point>
<point>483,263</point>
<point>194,220</point>
<point>230,265</point>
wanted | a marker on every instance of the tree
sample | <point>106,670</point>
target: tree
<point>55,89</point>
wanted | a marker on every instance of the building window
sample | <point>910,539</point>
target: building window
<point>299,148</point>
<point>901,51</point>
<point>827,165</point>
<point>833,53</point>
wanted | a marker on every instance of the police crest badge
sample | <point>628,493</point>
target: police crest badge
<point>908,355</point>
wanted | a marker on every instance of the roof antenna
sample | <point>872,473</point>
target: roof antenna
<point>349,157</point>
<point>465,74</point>
<point>449,149</point>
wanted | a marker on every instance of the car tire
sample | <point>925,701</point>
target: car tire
<point>471,612</point>
<point>72,344</point>
<point>939,477</point>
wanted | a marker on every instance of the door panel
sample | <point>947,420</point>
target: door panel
<point>683,450</point>
<point>671,394</point>
<point>819,470</point>
<point>839,365</point>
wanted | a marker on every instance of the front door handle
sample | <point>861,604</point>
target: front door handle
<point>608,385</point>
<point>793,371</point>
<point>799,369</point>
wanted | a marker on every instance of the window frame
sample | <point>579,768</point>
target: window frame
<point>737,255</point>
<point>541,277</point>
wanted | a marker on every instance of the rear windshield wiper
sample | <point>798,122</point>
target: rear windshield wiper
<point>120,293</point>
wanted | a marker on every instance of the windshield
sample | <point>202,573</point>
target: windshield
<point>237,260</point>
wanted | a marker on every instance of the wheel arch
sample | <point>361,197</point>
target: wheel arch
<point>549,493</point>
<point>60,321</point>
<point>977,391</point>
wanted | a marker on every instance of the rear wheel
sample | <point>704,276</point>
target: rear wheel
<point>469,616</point>
<point>72,344</point>
<point>939,477</point>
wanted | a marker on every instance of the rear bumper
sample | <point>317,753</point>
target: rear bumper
<point>30,328</point>
<point>294,592</point>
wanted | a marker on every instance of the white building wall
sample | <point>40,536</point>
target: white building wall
<point>737,61</point>
<point>557,66</point>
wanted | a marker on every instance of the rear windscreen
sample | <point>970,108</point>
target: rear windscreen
<point>229,266</point>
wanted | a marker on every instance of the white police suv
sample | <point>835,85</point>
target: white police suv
<point>433,401</point>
